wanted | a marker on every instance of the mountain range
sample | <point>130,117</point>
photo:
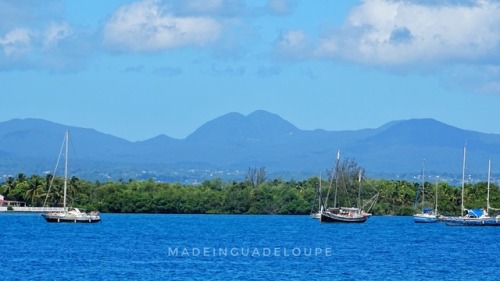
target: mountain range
<point>228,146</point>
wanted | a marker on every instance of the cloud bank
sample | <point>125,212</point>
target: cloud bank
<point>147,26</point>
<point>451,38</point>
<point>395,33</point>
<point>457,40</point>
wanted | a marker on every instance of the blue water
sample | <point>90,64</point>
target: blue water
<point>227,247</point>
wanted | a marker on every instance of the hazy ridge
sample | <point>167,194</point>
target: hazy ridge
<point>227,146</point>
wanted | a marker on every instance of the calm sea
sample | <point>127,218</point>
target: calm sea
<point>230,247</point>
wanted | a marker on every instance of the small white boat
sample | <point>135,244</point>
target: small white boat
<point>427,215</point>
<point>72,215</point>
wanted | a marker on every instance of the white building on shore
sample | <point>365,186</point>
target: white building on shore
<point>20,206</point>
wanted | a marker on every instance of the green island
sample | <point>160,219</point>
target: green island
<point>253,195</point>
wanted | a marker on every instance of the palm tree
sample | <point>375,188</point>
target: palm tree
<point>34,192</point>
<point>73,189</point>
<point>9,186</point>
<point>16,192</point>
<point>54,193</point>
<point>21,178</point>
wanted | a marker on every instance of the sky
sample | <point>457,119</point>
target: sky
<point>138,69</point>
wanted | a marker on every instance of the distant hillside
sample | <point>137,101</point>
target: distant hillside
<point>227,146</point>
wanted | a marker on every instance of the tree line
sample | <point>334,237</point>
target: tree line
<point>254,195</point>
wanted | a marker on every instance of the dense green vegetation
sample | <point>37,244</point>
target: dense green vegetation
<point>255,195</point>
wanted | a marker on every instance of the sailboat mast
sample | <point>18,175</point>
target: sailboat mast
<point>359,190</point>
<point>423,183</point>
<point>336,179</point>
<point>66,170</point>
<point>319,194</point>
<point>328,191</point>
<point>436,205</point>
<point>463,181</point>
<point>488,193</point>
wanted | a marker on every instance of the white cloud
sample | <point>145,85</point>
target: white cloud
<point>292,43</point>
<point>34,35</point>
<point>397,33</point>
<point>54,33</point>
<point>457,40</point>
<point>147,26</point>
<point>16,42</point>
<point>23,47</point>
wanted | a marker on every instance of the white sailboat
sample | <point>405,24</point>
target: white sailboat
<point>488,206</point>
<point>70,214</point>
<point>490,221</point>
<point>427,215</point>
<point>474,217</point>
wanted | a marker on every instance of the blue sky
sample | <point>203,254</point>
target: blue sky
<point>137,69</point>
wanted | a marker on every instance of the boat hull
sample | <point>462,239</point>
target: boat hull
<point>60,218</point>
<point>492,222</point>
<point>334,218</point>
<point>472,221</point>
<point>419,218</point>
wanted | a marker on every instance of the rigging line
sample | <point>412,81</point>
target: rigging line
<point>346,181</point>
<point>332,174</point>
<point>316,195</point>
<point>55,170</point>
<point>365,179</point>
<point>374,198</point>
